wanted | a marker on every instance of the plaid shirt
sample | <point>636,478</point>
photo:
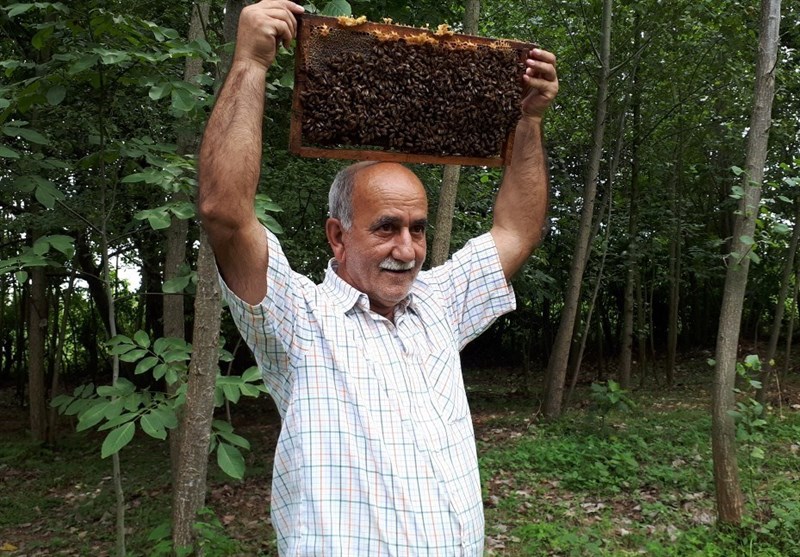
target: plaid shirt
<point>376,455</point>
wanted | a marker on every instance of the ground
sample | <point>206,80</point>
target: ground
<point>591,484</point>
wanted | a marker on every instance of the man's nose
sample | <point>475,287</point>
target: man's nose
<point>404,246</point>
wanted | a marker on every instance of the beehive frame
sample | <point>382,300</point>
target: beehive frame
<point>365,151</point>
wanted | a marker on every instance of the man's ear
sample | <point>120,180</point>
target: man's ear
<point>335,234</point>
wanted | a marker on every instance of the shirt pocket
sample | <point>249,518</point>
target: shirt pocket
<point>447,386</point>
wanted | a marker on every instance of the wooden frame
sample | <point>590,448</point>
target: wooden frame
<point>296,146</point>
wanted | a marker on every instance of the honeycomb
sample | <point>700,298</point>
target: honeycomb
<point>407,90</point>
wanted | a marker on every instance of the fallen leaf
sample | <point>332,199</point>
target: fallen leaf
<point>8,547</point>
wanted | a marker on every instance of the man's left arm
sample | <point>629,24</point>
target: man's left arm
<point>521,205</point>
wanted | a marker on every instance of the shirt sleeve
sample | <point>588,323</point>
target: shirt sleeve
<point>473,287</point>
<point>269,327</point>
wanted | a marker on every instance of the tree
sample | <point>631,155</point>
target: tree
<point>730,502</point>
<point>559,358</point>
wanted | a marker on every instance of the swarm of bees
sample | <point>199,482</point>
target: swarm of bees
<point>414,92</point>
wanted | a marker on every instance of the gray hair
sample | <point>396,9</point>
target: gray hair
<point>340,196</point>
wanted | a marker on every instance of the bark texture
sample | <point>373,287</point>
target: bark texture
<point>559,357</point>
<point>189,488</point>
<point>730,501</point>
<point>37,339</point>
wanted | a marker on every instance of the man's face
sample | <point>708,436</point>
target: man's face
<point>384,249</point>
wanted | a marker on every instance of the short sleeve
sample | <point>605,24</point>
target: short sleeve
<point>270,327</point>
<point>473,288</point>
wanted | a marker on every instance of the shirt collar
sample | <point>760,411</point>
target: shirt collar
<point>348,297</point>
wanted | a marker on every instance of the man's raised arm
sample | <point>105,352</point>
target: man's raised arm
<point>230,154</point>
<point>521,205</point>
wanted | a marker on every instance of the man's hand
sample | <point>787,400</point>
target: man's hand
<point>261,27</point>
<point>541,82</point>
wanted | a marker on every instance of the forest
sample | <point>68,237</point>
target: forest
<point>644,398</point>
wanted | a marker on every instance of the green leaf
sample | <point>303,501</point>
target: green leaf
<point>736,170</point>
<point>230,460</point>
<point>183,210</point>
<point>145,364</point>
<point>234,439</point>
<point>117,439</point>
<point>84,63</point>
<point>232,392</point>
<point>25,133</point>
<point>336,8</point>
<point>110,57</point>
<point>153,425</point>
<point>61,400</point>
<point>47,194</point>
<point>133,355</point>
<point>167,416</point>
<point>747,240</point>
<point>251,374</point>
<point>176,285</point>
<point>92,415</point>
<point>7,153</point>
<point>250,390</point>
<point>158,218</point>
<point>182,100</point>
<point>64,244</point>
<point>56,94</point>
<point>753,361</point>
<point>17,9</point>
<point>21,276</point>
<point>141,338</point>
<point>159,371</point>
<point>160,90</point>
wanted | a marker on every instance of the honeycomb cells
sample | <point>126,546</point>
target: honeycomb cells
<point>413,96</point>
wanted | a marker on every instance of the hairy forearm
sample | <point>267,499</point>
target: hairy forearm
<point>230,153</point>
<point>521,206</point>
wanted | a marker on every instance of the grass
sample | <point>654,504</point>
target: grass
<point>642,485</point>
<point>638,484</point>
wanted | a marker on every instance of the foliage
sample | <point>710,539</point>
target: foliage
<point>120,407</point>
<point>211,539</point>
<point>566,489</point>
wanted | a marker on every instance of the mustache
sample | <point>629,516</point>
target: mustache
<point>392,264</point>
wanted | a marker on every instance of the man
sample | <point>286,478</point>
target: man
<point>377,453</point>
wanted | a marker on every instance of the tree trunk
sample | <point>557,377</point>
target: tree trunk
<point>440,248</point>
<point>777,321</point>
<point>674,266</point>
<point>730,502</point>
<point>175,252</point>
<point>787,356</point>
<point>37,337</point>
<point>559,358</point>
<point>189,488</point>
<point>58,357</point>
<point>189,477</point>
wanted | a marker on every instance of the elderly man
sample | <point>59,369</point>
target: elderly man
<point>377,453</point>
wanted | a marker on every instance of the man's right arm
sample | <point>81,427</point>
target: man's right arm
<point>230,154</point>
